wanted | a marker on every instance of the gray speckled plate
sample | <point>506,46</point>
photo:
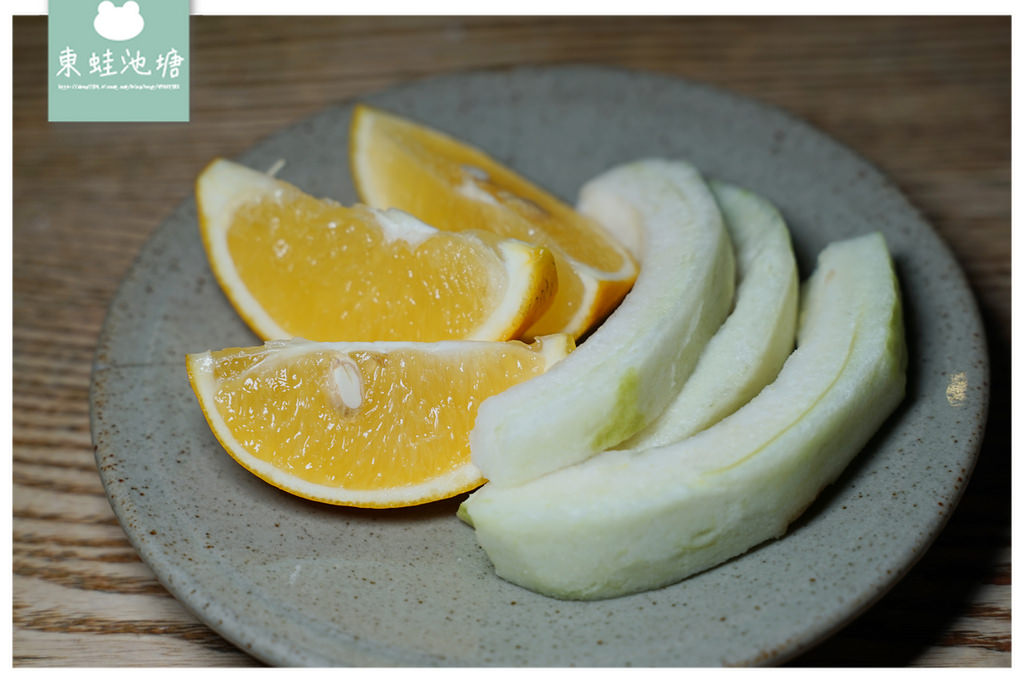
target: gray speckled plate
<point>294,582</point>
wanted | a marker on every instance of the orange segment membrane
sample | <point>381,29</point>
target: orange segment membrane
<point>451,179</point>
<point>295,243</point>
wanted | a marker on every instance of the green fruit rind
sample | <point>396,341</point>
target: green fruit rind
<point>627,521</point>
<point>625,374</point>
<point>749,349</point>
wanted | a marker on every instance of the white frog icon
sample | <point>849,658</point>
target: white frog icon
<point>118,23</point>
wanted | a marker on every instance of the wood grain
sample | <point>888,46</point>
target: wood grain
<point>926,99</point>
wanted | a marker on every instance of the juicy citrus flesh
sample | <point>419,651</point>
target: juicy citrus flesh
<point>453,186</point>
<point>441,180</point>
<point>323,271</point>
<point>325,243</point>
<point>370,425</point>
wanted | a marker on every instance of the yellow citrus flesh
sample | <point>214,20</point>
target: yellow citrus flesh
<point>363,424</point>
<point>297,266</point>
<point>453,186</point>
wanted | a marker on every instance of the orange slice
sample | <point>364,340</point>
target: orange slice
<point>381,424</point>
<point>296,266</point>
<point>452,186</point>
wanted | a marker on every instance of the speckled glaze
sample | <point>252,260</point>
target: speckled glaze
<point>300,583</point>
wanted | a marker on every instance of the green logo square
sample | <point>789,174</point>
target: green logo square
<point>126,60</point>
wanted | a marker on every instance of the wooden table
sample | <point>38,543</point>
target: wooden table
<point>926,99</point>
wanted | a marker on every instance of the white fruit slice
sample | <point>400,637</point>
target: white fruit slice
<point>628,370</point>
<point>747,352</point>
<point>626,521</point>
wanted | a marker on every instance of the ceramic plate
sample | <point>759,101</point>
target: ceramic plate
<point>294,582</point>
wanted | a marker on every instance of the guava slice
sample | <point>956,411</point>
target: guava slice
<point>747,352</point>
<point>627,521</point>
<point>625,373</point>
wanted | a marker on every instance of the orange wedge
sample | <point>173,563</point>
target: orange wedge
<point>296,266</point>
<point>382,424</point>
<point>453,186</point>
